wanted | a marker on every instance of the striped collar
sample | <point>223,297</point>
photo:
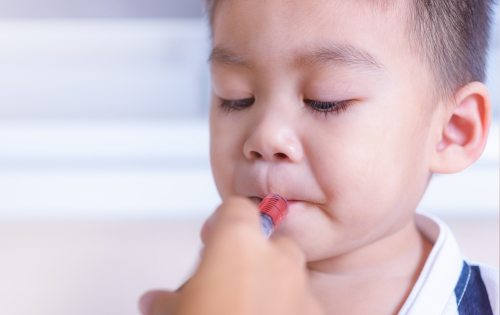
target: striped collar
<point>438,279</point>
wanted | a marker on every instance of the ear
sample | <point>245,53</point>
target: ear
<point>463,131</point>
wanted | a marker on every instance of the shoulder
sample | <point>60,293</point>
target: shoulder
<point>476,291</point>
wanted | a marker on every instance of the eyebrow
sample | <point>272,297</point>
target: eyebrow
<point>343,55</point>
<point>224,56</point>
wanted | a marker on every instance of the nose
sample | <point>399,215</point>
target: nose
<point>273,140</point>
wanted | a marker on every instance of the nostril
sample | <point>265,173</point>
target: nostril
<point>256,154</point>
<point>281,155</point>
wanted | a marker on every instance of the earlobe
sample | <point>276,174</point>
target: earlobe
<point>464,131</point>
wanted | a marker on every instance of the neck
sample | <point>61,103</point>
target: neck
<point>374,279</point>
<point>403,252</point>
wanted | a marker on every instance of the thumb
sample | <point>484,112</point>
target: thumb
<point>234,209</point>
<point>235,213</point>
<point>206,229</point>
<point>158,302</point>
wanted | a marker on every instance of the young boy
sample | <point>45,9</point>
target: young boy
<point>346,109</point>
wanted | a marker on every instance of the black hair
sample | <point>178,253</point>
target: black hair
<point>450,35</point>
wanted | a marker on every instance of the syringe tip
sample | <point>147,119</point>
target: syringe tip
<point>273,209</point>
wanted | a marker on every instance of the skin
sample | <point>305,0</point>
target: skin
<point>240,273</point>
<point>354,177</point>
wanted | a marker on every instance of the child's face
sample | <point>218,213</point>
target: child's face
<point>354,175</point>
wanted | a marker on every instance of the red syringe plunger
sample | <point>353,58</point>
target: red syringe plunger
<point>272,209</point>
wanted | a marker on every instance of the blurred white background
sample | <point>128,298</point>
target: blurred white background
<point>106,118</point>
<point>104,167</point>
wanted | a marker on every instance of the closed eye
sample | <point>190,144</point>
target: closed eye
<point>230,105</point>
<point>327,107</point>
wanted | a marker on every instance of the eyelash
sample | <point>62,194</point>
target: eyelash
<point>230,105</point>
<point>327,107</point>
<point>315,106</point>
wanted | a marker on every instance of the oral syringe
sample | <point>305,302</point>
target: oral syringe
<point>273,210</point>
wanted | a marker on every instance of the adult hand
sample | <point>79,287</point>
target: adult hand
<point>240,272</point>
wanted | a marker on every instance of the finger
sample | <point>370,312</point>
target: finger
<point>208,226</point>
<point>289,248</point>
<point>312,306</point>
<point>158,303</point>
<point>234,214</point>
<point>205,230</point>
<point>182,286</point>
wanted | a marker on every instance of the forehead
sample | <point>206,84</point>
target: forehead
<point>271,32</point>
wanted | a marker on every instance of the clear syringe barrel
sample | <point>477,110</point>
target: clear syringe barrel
<point>272,209</point>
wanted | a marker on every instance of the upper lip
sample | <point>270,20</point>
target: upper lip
<point>256,200</point>
<point>261,198</point>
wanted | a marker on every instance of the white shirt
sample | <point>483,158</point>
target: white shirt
<point>449,284</point>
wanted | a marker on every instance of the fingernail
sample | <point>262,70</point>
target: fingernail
<point>207,227</point>
<point>146,302</point>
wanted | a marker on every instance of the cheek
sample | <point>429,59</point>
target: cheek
<point>226,149</point>
<point>371,153</point>
<point>371,166</point>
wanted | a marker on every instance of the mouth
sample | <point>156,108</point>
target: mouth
<point>258,200</point>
